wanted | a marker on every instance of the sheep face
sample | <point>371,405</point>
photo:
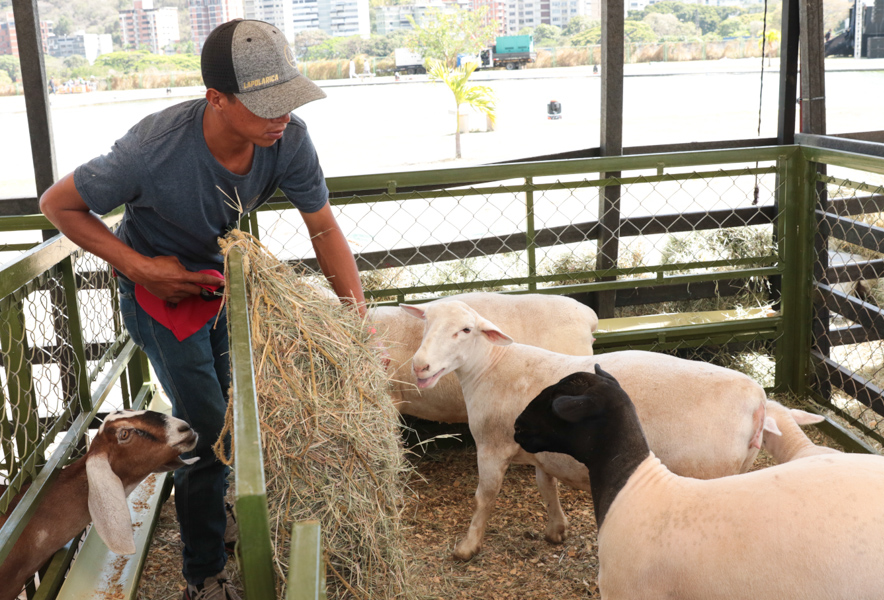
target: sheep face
<point>571,416</point>
<point>451,334</point>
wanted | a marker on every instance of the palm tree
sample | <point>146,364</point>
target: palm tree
<point>770,38</point>
<point>480,97</point>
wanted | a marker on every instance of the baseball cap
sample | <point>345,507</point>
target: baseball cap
<point>253,60</point>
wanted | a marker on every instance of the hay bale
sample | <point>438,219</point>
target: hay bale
<point>330,434</point>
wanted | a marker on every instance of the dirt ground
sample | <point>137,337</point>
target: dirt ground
<point>515,562</point>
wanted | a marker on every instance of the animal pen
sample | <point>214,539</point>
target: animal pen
<point>760,255</point>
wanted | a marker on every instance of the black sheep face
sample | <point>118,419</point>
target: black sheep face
<point>569,417</point>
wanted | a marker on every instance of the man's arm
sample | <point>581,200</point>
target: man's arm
<point>163,276</point>
<point>334,256</point>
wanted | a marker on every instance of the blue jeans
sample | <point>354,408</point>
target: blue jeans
<point>195,374</point>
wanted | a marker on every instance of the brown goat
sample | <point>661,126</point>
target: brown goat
<point>129,446</point>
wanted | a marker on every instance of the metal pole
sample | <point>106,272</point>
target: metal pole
<point>33,72</point>
<point>610,144</point>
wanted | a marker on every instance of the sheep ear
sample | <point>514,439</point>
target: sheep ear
<point>770,425</point>
<point>802,417</point>
<point>107,505</point>
<point>605,375</point>
<point>494,335</point>
<point>414,311</point>
<point>572,409</point>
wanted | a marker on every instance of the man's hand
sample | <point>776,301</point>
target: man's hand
<point>166,278</point>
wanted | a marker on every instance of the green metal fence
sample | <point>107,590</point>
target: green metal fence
<point>710,255</point>
<point>64,357</point>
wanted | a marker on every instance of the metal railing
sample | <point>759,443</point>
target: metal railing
<point>64,354</point>
<point>722,255</point>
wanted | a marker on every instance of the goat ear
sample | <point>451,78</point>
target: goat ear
<point>770,425</point>
<point>572,409</point>
<point>802,417</point>
<point>414,311</point>
<point>107,505</point>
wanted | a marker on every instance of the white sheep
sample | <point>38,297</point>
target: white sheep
<point>703,420</point>
<point>129,446</point>
<point>809,529</point>
<point>783,438</point>
<point>553,322</point>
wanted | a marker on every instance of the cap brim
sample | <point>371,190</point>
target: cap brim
<point>281,99</point>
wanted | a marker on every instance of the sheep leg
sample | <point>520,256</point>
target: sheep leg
<point>492,468</point>
<point>557,527</point>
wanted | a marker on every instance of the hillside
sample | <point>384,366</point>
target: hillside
<point>96,16</point>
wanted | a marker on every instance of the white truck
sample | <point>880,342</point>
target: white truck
<point>409,62</point>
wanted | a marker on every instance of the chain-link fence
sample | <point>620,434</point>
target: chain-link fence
<point>63,358</point>
<point>848,321</point>
<point>652,247</point>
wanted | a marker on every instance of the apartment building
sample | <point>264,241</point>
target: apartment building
<point>89,45</point>
<point>9,39</point>
<point>146,27</point>
<point>531,13</point>
<point>497,13</point>
<point>335,17</point>
<point>206,15</point>
<point>390,18</point>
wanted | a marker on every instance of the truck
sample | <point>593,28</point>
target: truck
<point>509,51</point>
<point>409,62</point>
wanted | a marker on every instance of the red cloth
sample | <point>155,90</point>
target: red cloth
<point>185,318</point>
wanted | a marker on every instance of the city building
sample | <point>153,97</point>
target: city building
<point>206,15</point>
<point>338,18</point>
<point>390,18</point>
<point>531,13</point>
<point>149,28</point>
<point>497,13</point>
<point>343,18</point>
<point>9,39</point>
<point>88,45</point>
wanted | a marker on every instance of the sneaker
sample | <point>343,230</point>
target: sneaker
<point>217,587</point>
<point>231,533</point>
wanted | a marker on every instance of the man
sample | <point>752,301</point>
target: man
<point>176,172</point>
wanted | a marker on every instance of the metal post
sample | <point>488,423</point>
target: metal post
<point>530,234</point>
<point>610,144</point>
<point>33,72</point>
<point>795,232</point>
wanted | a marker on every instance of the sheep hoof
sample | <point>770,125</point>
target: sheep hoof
<point>464,554</point>
<point>556,535</point>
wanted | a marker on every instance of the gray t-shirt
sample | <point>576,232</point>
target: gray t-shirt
<point>171,184</point>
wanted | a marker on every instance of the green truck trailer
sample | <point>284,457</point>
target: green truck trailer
<point>509,51</point>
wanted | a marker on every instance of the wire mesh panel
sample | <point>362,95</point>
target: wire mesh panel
<point>698,243</point>
<point>849,322</point>
<point>40,374</point>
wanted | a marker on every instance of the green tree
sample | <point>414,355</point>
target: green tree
<point>733,27</point>
<point>63,26</point>
<point>547,35</point>
<point>667,27</point>
<point>10,65</point>
<point>589,37</point>
<point>770,38</point>
<point>577,25</point>
<point>445,35</point>
<point>638,32</point>
<point>75,61</point>
<point>306,39</point>
<point>480,97</point>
